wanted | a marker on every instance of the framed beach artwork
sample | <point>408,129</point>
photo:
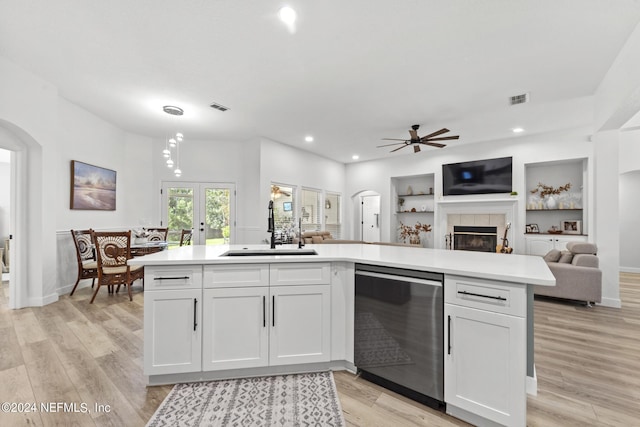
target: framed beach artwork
<point>92,187</point>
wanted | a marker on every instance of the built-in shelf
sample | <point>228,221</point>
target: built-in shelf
<point>415,195</point>
<point>416,212</point>
<point>552,210</point>
<point>554,234</point>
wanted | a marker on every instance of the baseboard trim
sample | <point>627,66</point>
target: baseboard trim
<point>611,302</point>
<point>40,302</point>
<point>532,383</point>
<point>629,270</point>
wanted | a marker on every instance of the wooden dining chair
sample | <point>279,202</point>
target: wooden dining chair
<point>113,250</point>
<point>86,256</point>
<point>185,237</point>
<point>157,234</point>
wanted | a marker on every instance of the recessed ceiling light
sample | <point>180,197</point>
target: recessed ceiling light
<point>517,130</point>
<point>287,15</point>
<point>355,157</point>
<point>308,138</point>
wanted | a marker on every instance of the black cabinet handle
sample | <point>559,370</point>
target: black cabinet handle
<point>273,310</point>
<point>264,312</point>
<point>195,313</point>
<point>482,296</point>
<point>449,334</point>
<point>171,278</point>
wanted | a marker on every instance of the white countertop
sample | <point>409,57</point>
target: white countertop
<point>505,267</point>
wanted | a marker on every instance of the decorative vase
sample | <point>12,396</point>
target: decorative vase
<point>414,240</point>
<point>551,202</point>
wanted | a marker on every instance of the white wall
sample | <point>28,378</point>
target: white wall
<point>5,176</point>
<point>629,221</point>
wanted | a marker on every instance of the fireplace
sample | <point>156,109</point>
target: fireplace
<point>475,238</point>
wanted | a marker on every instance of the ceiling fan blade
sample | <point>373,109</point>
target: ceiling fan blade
<point>414,134</point>
<point>393,139</point>
<point>405,145</point>
<point>439,132</point>
<point>443,138</point>
<point>433,144</point>
<point>416,148</point>
<point>389,145</point>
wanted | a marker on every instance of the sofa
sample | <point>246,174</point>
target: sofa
<point>316,237</point>
<point>577,273</point>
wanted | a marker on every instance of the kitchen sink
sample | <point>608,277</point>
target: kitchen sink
<point>269,252</point>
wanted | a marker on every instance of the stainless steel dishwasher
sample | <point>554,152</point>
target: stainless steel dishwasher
<point>399,318</point>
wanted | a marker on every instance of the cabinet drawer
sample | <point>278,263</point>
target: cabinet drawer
<point>300,274</point>
<point>490,295</point>
<point>174,277</point>
<point>236,276</point>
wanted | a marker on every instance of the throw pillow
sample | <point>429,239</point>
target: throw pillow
<point>316,239</point>
<point>552,256</point>
<point>566,257</point>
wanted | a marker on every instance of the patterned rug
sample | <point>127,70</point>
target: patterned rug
<point>285,400</point>
<point>374,346</point>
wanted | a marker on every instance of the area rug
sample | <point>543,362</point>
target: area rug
<point>285,400</point>
<point>374,346</point>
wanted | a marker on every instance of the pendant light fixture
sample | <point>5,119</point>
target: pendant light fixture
<point>172,142</point>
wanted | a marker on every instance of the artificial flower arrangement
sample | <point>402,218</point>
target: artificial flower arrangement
<point>140,233</point>
<point>409,231</point>
<point>547,190</point>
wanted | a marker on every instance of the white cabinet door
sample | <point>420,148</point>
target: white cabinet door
<point>485,364</point>
<point>539,245</point>
<point>300,324</point>
<point>172,331</point>
<point>235,328</point>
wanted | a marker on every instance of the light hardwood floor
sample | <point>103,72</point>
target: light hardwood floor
<point>587,360</point>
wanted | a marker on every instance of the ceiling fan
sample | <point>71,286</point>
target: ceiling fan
<point>416,140</point>
<point>277,192</point>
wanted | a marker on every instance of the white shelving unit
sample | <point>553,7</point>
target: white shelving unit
<point>416,193</point>
<point>570,205</point>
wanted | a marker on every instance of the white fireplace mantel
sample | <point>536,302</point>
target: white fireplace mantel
<point>444,208</point>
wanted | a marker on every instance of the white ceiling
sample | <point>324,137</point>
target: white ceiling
<point>353,72</point>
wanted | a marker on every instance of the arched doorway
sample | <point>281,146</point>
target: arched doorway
<point>367,218</point>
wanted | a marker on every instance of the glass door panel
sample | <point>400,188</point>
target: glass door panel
<point>207,208</point>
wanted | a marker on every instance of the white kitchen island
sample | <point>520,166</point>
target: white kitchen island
<point>209,316</point>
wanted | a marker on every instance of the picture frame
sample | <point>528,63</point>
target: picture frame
<point>532,228</point>
<point>571,226</point>
<point>92,187</point>
<point>286,206</point>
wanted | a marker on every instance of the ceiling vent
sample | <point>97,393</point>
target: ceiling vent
<point>217,106</point>
<point>519,99</point>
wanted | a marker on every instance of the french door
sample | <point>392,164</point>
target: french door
<point>206,207</point>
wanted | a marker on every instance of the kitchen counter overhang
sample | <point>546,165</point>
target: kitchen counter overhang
<point>524,269</point>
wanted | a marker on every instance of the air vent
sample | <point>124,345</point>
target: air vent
<point>519,99</point>
<point>218,107</point>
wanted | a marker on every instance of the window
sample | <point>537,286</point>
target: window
<point>332,217</point>
<point>284,208</point>
<point>310,210</point>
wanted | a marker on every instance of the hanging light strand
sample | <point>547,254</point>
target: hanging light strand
<point>172,142</point>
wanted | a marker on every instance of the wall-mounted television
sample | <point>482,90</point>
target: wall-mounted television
<point>286,206</point>
<point>478,177</point>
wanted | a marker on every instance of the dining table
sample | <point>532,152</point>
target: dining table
<point>140,249</point>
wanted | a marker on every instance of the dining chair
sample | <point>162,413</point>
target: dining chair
<point>185,237</point>
<point>86,257</point>
<point>157,234</point>
<point>113,250</point>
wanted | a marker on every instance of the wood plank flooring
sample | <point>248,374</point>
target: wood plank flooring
<point>587,361</point>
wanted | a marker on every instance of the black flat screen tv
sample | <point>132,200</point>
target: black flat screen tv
<point>478,177</point>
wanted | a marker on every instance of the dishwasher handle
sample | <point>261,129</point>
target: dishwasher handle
<point>399,278</point>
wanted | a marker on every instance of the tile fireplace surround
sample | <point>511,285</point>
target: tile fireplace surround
<point>496,213</point>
